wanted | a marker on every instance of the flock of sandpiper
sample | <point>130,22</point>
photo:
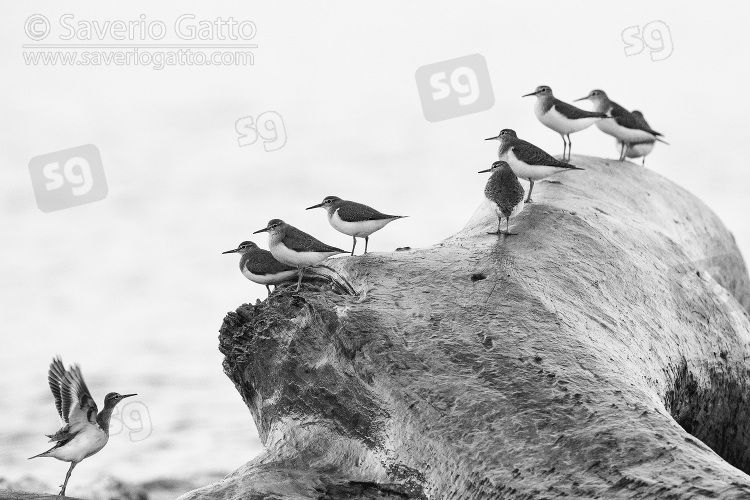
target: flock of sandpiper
<point>86,430</point>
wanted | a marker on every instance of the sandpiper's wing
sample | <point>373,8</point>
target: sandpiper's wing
<point>532,155</point>
<point>55,376</point>
<point>626,119</point>
<point>574,113</point>
<point>261,262</point>
<point>641,120</point>
<point>357,212</point>
<point>300,241</point>
<point>505,190</point>
<point>72,398</point>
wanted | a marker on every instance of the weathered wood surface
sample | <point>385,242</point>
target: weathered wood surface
<point>568,361</point>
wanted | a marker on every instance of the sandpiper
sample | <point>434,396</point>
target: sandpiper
<point>562,117</point>
<point>85,431</point>
<point>528,161</point>
<point>296,248</point>
<point>505,192</point>
<point>259,266</point>
<point>639,149</point>
<point>625,127</point>
<point>354,219</point>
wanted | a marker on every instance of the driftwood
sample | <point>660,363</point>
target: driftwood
<point>601,353</point>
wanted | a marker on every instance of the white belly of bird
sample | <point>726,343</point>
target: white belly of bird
<point>610,126</point>
<point>562,125</point>
<point>299,259</point>
<point>516,210</point>
<point>529,172</point>
<point>638,150</point>
<point>84,444</point>
<point>270,279</point>
<point>358,229</point>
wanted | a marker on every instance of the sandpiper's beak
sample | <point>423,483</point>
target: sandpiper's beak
<point>314,206</point>
<point>581,99</point>
<point>527,95</point>
<point>123,396</point>
<point>231,251</point>
<point>492,138</point>
<point>483,171</point>
<point>261,230</point>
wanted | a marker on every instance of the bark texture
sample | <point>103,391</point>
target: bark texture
<point>600,353</point>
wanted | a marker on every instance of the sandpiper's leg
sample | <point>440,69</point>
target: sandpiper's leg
<point>367,240</point>
<point>622,151</point>
<point>499,223</point>
<point>507,226</point>
<point>643,163</point>
<point>269,290</point>
<point>67,476</point>
<point>565,146</point>
<point>570,147</point>
<point>531,188</point>
<point>354,245</point>
<point>299,280</point>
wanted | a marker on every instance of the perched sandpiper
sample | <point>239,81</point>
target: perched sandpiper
<point>562,117</point>
<point>624,126</point>
<point>638,149</point>
<point>505,192</point>
<point>259,266</point>
<point>296,248</point>
<point>354,219</point>
<point>86,431</point>
<point>528,161</point>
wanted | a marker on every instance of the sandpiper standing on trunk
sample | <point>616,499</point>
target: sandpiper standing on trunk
<point>638,149</point>
<point>625,127</point>
<point>354,219</point>
<point>296,248</point>
<point>505,192</point>
<point>528,161</point>
<point>562,117</point>
<point>85,431</point>
<point>259,265</point>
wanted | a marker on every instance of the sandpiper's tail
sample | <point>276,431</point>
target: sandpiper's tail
<point>43,454</point>
<point>568,166</point>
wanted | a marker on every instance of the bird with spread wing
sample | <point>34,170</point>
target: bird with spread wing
<point>86,430</point>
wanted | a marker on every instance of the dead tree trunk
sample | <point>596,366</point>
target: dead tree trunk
<point>601,353</point>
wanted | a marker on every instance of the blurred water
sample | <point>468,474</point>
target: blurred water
<point>134,287</point>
